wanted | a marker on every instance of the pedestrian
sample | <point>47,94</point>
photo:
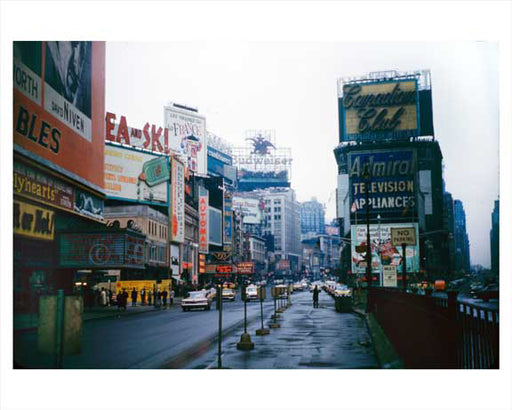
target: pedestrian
<point>103,297</point>
<point>171,297</point>
<point>164,298</point>
<point>109,297</point>
<point>143,296</point>
<point>315,296</point>
<point>150,295</point>
<point>158,299</point>
<point>125,299</point>
<point>119,300</point>
<point>134,297</point>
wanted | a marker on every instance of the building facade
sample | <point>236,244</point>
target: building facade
<point>312,217</point>
<point>495,238</point>
<point>462,259</point>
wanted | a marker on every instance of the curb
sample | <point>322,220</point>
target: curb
<point>384,350</point>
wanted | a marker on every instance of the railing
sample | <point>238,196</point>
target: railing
<point>430,332</point>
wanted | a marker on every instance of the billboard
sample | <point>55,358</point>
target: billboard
<point>245,268</point>
<point>203,220</point>
<point>33,221</point>
<point>187,135</point>
<point>380,110</point>
<point>101,250</point>
<point>135,175</point>
<point>177,199</point>
<point>390,255</point>
<point>250,209</point>
<point>59,106</point>
<point>332,230</point>
<point>215,226</point>
<point>391,184</point>
<point>151,137</point>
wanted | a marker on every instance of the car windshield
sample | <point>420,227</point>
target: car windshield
<point>196,295</point>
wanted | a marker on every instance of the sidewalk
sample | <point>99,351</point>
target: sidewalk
<point>28,322</point>
<point>307,339</point>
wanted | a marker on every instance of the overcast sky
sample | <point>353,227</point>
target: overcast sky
<point>291,88</point>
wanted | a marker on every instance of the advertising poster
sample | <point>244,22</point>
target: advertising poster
<point>187,135</point>
<point>250,209</point>
<point>203,220</point>
<point>389,277</point>
<point>135,175</point>
<point>177,201</point>
<point>332,230</point>
<point>391,184</point>
<point>61,126</point>
<point>380,110</point>
<point>389,254</point>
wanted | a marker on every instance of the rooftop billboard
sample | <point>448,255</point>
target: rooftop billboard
<point>380,110</point>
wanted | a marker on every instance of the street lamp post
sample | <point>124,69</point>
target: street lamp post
<point>381,276</point>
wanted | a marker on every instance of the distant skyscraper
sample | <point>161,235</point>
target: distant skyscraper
<point>312,217</point>
<point>495,238</point>
<point>449,225</point>
<point>462,262</point>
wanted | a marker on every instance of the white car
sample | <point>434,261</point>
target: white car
<point>196,300</point>
<point>251,293</point>
<point>228,294</point>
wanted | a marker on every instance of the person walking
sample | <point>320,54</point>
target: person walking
<point>143,296</point>
<point>158,299</point>
<point>171,297</point>
<point>134,297</point>
<point>150,294</point>
<point>125,299</point>
<point>103,297</point>
<point>164,298</point>
<point>315,296</point>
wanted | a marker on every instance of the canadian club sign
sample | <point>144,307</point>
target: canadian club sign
<point>381,109</point>
<point>203,220</point>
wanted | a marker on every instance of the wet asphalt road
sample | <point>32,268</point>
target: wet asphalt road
<point>146,341</point>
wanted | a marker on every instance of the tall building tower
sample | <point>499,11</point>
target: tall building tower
<point>282,214</point>
<point>312,217</point>
<point>495,238</point>
<point>389,175</point>
<point>449,225</point>
<point>462,261</point>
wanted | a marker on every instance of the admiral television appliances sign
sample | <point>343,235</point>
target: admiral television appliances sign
<point>389,177</point>
<point>380,110</point>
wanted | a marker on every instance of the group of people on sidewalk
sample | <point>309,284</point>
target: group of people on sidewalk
<point>159,298</point>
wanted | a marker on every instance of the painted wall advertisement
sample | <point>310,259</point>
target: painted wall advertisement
<point>250,208</point>
<point>177,201</point>
<point>389,254</point>
<point>391,184</point>
<point>101,250</point>
<point>187,133</point>
<point>203,220</point>
<point>59,105</point>
<point>135,175</point>
<point>381,110</point>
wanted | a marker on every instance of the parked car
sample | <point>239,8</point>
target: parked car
<point>228,294</point>
<point>196,300</point>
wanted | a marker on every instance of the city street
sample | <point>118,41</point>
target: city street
<point>147,340</point>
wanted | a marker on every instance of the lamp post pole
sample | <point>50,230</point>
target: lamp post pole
<point>381,278</point>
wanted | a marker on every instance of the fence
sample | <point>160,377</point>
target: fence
<point>435,333</point>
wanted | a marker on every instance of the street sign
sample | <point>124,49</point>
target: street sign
<point>401,236</point>
<point>389,278</point>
